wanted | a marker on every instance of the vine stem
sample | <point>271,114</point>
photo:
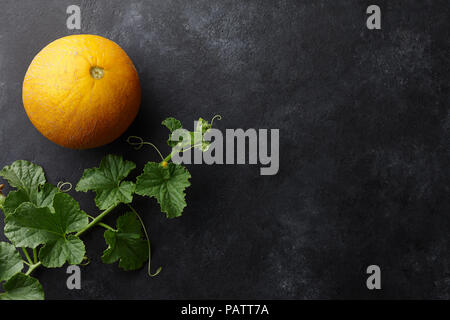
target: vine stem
<point>101,224</point>
<point>148,241</point>
<point>167,159</point>
<point>25,252</point>
<point>35,256</point>
<point>32,267</point>
<point>106,226</point>
<point>96,220</point>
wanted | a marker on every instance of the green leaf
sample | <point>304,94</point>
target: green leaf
<point>126,244</point>
<point>166,184</point>
<point>22,287</point>
<point>202,126</point>
<point>24,175</point>
<point>42,198</point>
<point>13,200</point>
<point>30,226</point>
<point>10,261</point>
<point>29,179</point>
<point>107,182</point>
<point>55,253</point>
<point>172,124</point>
<point>184,142</point>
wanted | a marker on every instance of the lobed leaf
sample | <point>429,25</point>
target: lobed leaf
<point>107,182</point>
<point>172,124</point>
<point>55,253</point>
<point>22,287</point>
<point>29,179</point>
<point>126,244</point>
<point>10,261</point>
<point>24,175</point>
<point>30,226</point>
<point>166,184</point>
<point>42,198</point>
<point>201,128</point>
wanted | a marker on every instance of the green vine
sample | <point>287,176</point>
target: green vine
<point>47,220</point>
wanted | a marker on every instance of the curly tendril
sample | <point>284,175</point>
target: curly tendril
<point>85,263</point>
<point>217,116</point>
<point>140,143</point>
<point>64,186</point>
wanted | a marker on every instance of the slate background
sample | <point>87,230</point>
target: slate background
<point>364,124</point>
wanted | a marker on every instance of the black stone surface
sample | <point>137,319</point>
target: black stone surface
<point>364,125</point>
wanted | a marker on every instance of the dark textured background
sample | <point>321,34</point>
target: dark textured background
<point>364,125</point>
